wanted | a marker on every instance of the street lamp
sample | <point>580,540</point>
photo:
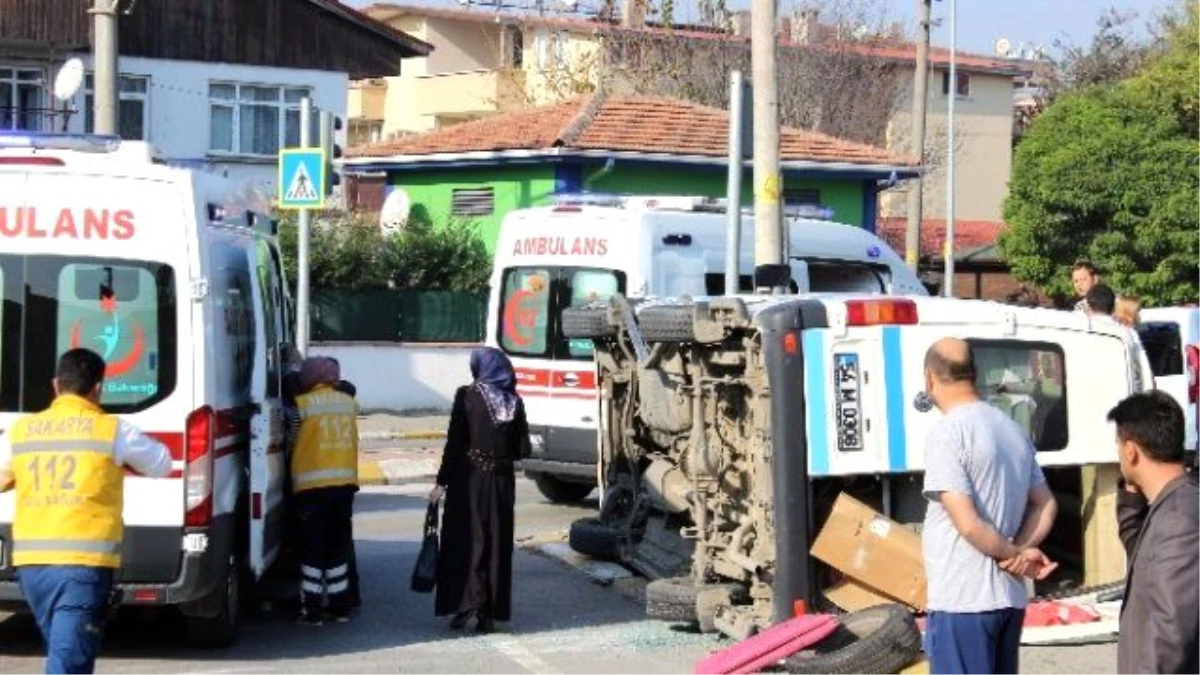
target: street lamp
<point>951,95</point>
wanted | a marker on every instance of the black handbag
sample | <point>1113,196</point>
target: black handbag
<point>424,576</point>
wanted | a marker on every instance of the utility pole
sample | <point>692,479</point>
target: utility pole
<point>302,263</point>
<point>733,191</point>
<point>105,66</point>
<point>948,282</point>
<point>912,237</point>
<point>769,259</point>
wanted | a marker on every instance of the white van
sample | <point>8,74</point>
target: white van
<point>733,424</point>
<point>587,248</point>
<point>177,282</point>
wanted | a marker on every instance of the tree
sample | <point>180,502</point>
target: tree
<point>349,252</point>
<point>1110,174</point>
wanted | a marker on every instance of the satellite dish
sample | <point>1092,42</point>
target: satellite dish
<point>69,80</point>
<point>394,214</point>
<point>1003,47</point>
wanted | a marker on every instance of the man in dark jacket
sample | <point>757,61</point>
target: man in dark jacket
<point>1158,511</point>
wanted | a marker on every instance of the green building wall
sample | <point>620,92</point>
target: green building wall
<point>522,186</point>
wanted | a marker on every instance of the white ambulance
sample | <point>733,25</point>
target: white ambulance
<point>177,282</point>
<point>586,248</point>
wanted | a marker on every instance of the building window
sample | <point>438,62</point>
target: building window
<point>133,109</point>
<point>963,88</point>
<point>251,119</point>
<point>804,197</point>
<point>472,202</point>
<point>514,46</point>
<point>551,50</point>
<point>22,99</point>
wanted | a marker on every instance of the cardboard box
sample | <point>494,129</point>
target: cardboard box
<point>851,596</point>
<point>878,553</point>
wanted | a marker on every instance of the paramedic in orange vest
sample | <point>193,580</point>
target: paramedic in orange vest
<point>324,480</point>
<point>67,466</point>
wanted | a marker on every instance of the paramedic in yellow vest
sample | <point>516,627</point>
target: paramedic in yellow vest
<point>324,480</point>
<point>67,467</point>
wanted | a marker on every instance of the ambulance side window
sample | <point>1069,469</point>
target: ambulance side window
<point>1027,382</point>
<point>268,283</point>
<point>525,311</point>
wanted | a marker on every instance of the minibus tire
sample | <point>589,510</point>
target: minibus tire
<point>674,599</point>
<point>667,323</point>
<point>220,630</point>
<point>586,323</point>
<point>882,639</point>
<point>593,538</point>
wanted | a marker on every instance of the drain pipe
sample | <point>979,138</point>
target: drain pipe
<point>603,171</point>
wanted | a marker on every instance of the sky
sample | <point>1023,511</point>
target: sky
<point>980,23</point>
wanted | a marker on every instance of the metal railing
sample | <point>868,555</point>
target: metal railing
<point>21,118</point>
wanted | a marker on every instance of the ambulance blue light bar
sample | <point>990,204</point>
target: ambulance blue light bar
<point>55,141</point>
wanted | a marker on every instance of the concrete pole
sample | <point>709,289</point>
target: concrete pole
<point>302,263</point>
<point>105,66</point>
<point>948,283</point>
<point>768,181</point>
<point>733,190</point>
<point>912,237</point>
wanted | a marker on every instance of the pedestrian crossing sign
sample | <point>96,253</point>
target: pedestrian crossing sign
<point>302,178</point>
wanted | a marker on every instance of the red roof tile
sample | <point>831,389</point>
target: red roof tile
<point>642,124</point>
<point>968,234</point>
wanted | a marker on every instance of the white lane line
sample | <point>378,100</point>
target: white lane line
<point>512,648</point>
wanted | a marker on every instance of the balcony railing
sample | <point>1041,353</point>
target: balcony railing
<point>17,118</point>
<point>470,93</point>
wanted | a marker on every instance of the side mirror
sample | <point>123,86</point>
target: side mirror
<point>922,402</point>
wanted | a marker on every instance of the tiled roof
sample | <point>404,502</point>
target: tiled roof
<point>968,234</point>
<point>641,124</point>
<point>890,49</point>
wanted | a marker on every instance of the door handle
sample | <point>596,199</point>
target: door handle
<point>571,379</point>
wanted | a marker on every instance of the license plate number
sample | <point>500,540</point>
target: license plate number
<point>847,396</point>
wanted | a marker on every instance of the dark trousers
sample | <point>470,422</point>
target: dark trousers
<point>70,605</point>
<point>325,544</point>
<point>976,642</point>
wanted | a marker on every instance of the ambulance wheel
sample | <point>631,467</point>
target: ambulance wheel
<point>880,639</point>
<point>667,323</point>
<point>676,600</point>
<point>219,630</point>
<point>586,322</point>
<point>560,491</point>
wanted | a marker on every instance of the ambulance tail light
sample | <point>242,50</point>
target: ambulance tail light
<point>31,161</point>
<point>889,312</point>
<point>1193,371</point>
<point>198,472</point>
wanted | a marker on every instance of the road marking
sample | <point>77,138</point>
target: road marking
<point>520,654</point>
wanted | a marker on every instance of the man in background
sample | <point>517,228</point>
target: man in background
<point>1084,275</point>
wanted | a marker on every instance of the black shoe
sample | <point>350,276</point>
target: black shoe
<point>460,620</point>
<point>485,625</point>
<point>307,619</point>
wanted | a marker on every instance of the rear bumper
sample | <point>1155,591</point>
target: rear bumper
<point>156,568</point>
<point>565,452</point>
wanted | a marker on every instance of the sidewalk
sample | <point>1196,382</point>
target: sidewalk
<point>400,449</point>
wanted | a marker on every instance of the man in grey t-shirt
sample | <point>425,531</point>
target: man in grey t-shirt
<point>989,508</point>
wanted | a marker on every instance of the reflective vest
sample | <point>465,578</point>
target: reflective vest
<point>69,487</point>
<point>326,453</point>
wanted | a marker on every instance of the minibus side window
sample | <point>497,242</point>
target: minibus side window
<point>1027,382</point>
<point>525,311</point>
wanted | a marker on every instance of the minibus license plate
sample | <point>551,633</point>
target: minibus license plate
<point>847,391</point>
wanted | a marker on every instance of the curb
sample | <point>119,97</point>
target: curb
<point>426,435</point>
<point>396,472</point>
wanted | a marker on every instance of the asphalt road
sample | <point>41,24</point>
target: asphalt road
<point>563,622</point>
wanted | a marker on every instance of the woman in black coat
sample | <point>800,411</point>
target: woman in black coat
<point>488,433</point>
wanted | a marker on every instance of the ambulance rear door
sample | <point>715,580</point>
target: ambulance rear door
<point>267,459</point>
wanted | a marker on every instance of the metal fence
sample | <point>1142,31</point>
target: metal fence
<point>398,316</point>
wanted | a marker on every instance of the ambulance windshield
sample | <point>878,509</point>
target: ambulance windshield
<point>123,310</point>
<point>532,300</point>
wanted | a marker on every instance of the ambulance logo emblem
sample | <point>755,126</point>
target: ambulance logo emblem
<point>110,338</point>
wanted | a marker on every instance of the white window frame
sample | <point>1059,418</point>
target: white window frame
<point>8,107</point>
<point>551,49</point>
<point>236,104</point>
<point>123,95</point>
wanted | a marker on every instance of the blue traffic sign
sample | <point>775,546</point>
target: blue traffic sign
<point>302,178</point>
